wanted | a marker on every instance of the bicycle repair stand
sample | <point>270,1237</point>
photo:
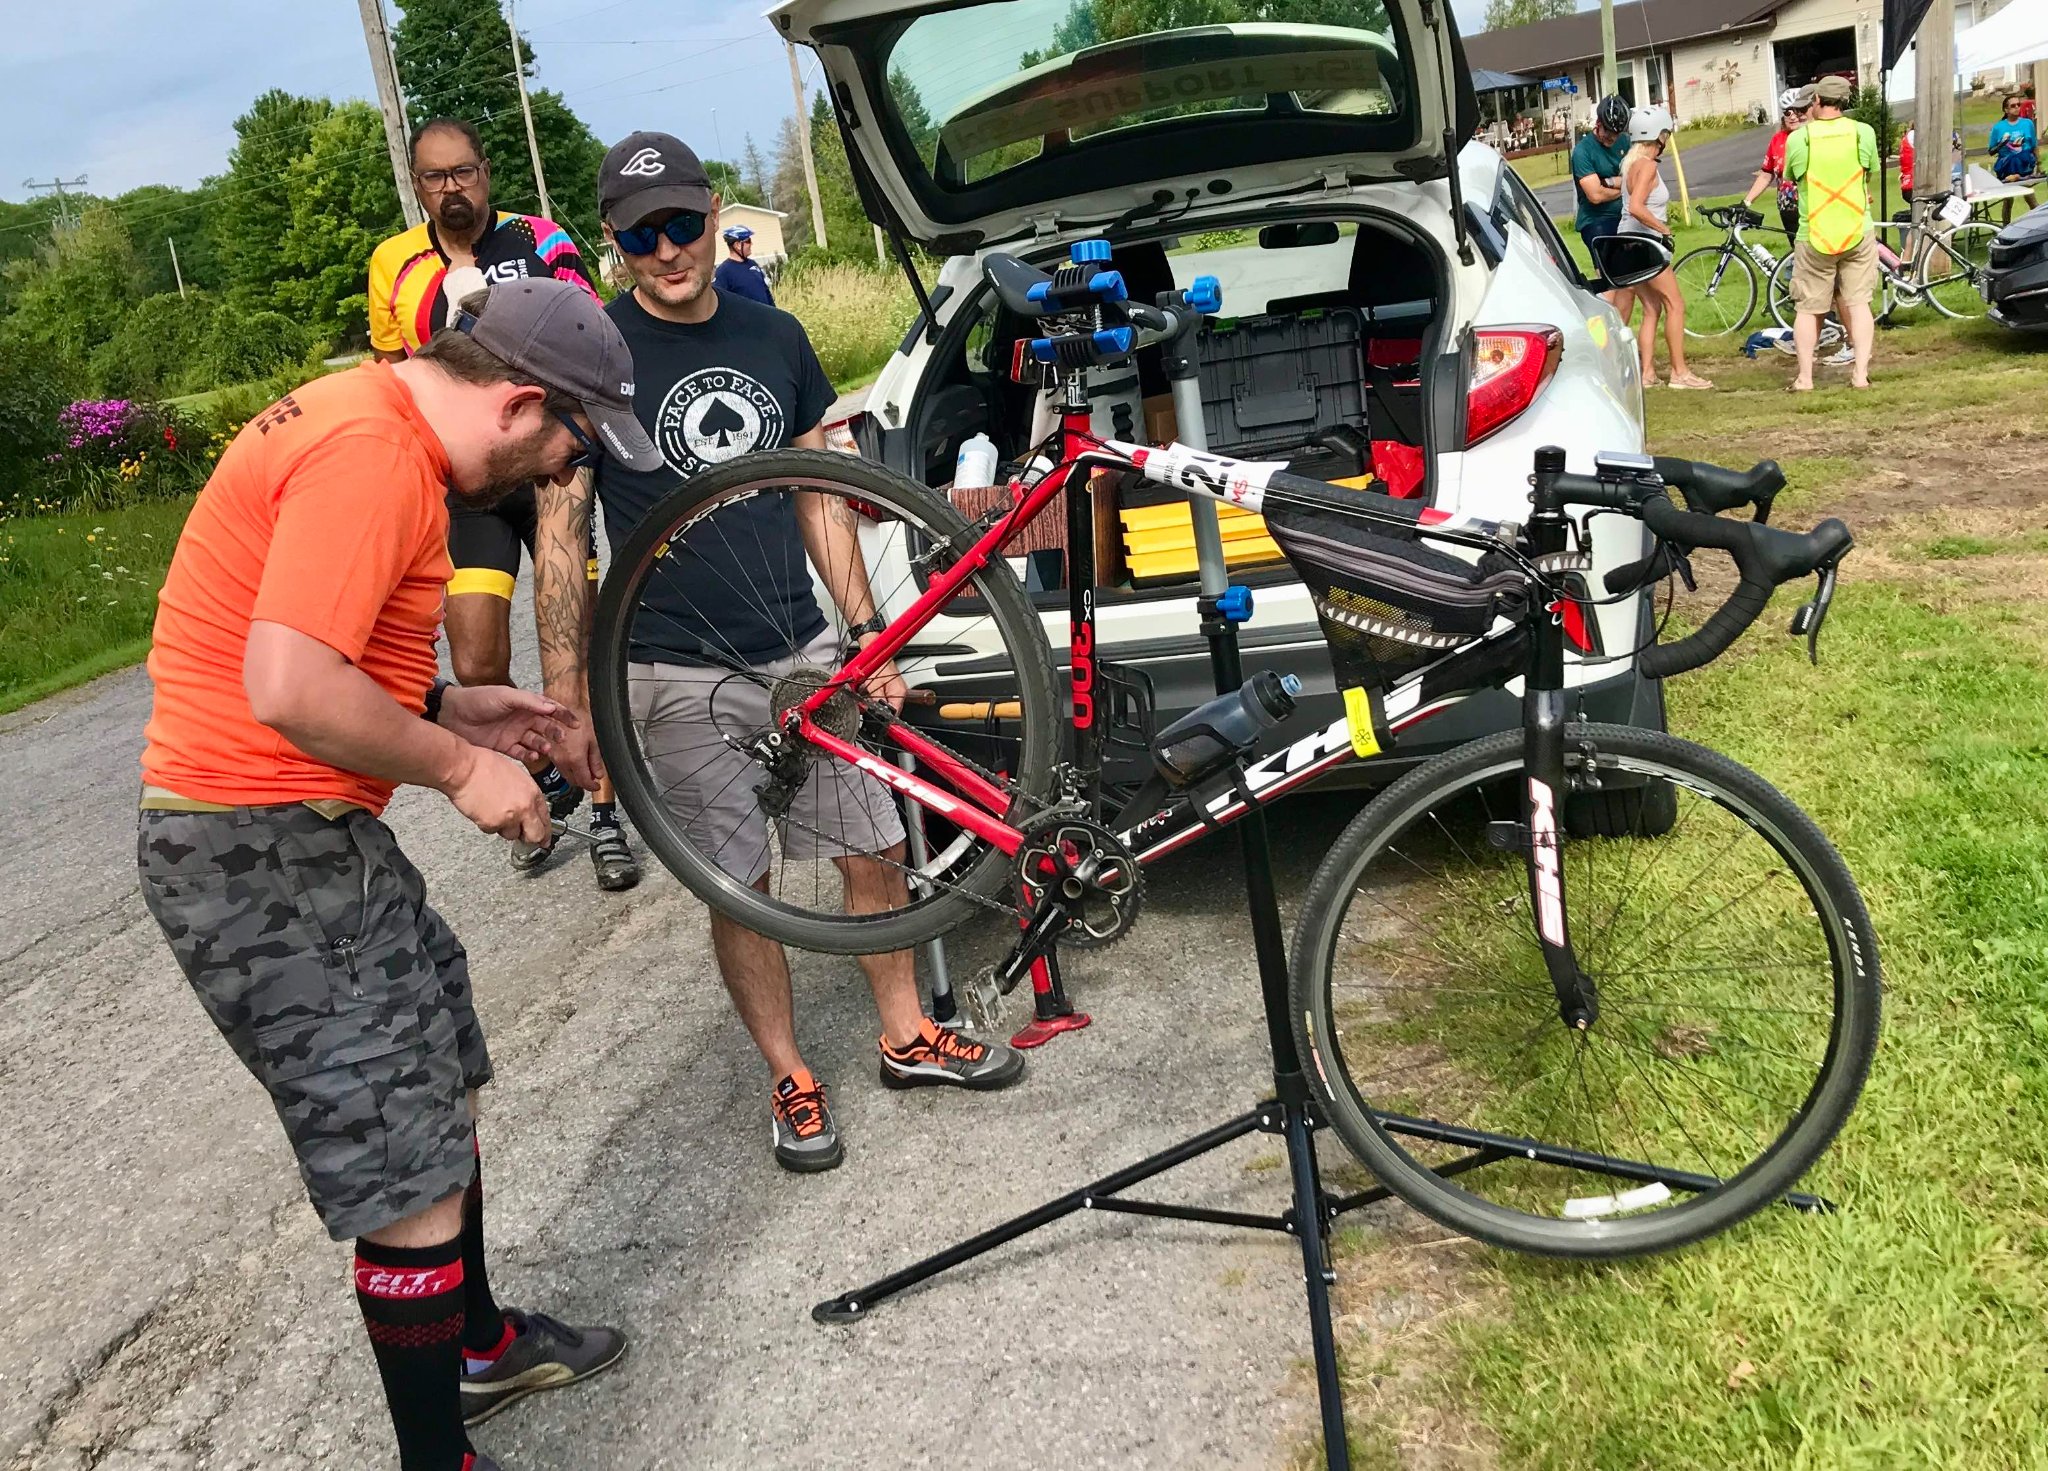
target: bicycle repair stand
<point>1288,1112</point>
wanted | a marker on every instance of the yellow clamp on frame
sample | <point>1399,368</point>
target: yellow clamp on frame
<point>1366,716</point>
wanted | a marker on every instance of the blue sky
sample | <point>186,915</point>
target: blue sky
<point>130,92</point>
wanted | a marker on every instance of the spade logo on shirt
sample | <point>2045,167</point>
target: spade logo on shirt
<point>715,415</point>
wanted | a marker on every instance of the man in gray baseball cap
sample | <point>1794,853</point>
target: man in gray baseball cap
<point>293,666</point>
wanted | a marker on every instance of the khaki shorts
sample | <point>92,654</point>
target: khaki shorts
<point>1818,278</point>
<point>684,712</point>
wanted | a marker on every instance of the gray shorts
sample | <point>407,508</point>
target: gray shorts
<point>310,943</point>
<point>684,711</point>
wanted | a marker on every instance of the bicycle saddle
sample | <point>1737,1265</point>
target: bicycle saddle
<point>1013,280</point>
<point>1713,488</point>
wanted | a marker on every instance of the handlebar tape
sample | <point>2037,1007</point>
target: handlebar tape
<point>1714,489</point>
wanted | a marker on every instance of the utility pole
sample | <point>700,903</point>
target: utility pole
<point>803,141</point>
<point>66,216</point>
<point>1610,69</point>
<point>396,140</point>
<point>1934,104</point>
<point>540,182</point>
<point>175,270</point>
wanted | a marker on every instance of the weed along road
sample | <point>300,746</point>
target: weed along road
<point>175,1305</point>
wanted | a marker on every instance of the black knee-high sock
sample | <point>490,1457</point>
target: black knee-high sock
<point>485,1333</point>
<point>411,1299</point>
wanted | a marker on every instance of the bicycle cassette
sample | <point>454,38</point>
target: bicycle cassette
<point>1086,867</point>
<point>838,716</point>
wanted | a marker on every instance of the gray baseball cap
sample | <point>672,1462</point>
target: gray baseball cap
<point>646,173</point>
<point>556,333</point>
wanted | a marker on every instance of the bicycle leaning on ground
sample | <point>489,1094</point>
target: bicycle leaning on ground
<point>1606,939</point>
<point>1937,261</point>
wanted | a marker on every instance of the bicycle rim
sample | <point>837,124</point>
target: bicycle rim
<point>1719,291</point>
<point>1952,271</point>
<point>851,866</point>
<point>1738,994</point>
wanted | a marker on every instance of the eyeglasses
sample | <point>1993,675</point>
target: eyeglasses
<point>461,176</point>
<point>587,457</point>
<point>685,228</point>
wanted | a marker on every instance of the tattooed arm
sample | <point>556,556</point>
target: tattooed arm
<point>832,538</point>
<point>562,598</point>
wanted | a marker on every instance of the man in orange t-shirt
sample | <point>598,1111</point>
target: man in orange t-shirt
<point>293,658</point>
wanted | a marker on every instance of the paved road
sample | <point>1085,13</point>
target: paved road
<point>1724,166</point>
<point>172,1304</point>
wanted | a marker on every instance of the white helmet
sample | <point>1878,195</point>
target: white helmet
<point>1648,124</point>
<point>1794,99</point>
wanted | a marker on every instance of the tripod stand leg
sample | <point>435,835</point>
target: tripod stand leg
<point>1312,1217</point>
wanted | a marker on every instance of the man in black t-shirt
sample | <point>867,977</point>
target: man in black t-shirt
<point>735,610</point>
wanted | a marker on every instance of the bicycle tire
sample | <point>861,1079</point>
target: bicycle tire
<point>1959,295</point>
<point>1787,316</point>
<point>1718,282</point>
<point>1005,604</point>
<point>1750,802</point>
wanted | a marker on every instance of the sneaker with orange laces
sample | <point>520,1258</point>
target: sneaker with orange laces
<point>805,1140</point>
<point>939,1055</point>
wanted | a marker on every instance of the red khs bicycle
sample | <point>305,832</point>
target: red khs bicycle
<point>1607,939</point>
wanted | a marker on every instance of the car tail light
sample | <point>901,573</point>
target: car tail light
<point>1510,365</point>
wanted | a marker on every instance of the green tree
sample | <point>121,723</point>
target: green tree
<point>455,60</point>
<point>254,207</point>
<point>912,113</point>
<point>729,182</point>
<point>754,169</point>
<point>155,214</point>
<point>72,294</point>
<point>343,203</point>
<point>846,223</point>
<point>1503,15</point>
<point>158,349</point>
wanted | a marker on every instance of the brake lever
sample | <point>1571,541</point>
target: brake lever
<point>1681,563</point>
<point>1809,619</point>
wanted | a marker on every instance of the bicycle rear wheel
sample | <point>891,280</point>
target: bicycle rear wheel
<point>1952,271</point>
<point>1737,980</point>
<point>1833,333</point>
<point>1719,290</point>
<point>681,707</point>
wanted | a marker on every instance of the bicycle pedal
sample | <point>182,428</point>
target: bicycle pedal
<point>984,1002</point>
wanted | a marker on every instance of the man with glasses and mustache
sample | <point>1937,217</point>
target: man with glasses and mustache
<point>293,664</point>
<point>715,377</point>
<point>415,280</point>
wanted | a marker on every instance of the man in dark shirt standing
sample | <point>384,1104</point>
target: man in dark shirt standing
<point>716,376</point>
<point>739,274</point>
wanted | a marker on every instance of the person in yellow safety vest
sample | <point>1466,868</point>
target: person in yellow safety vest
<point>1833,158</point>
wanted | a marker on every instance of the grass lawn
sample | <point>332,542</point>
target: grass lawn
<point>78,595</point>
<point>1906,1331</point>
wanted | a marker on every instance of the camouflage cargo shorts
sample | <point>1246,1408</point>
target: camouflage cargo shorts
<point>311,945</point>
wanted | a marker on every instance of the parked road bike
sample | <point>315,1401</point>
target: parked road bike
<point>1609,940</point>
<point>1935,261</point>
<point>1723,283</point>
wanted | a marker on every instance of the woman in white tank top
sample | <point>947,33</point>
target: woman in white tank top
<point>1646,204</point>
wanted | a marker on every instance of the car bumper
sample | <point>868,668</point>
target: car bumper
<point>2018,296</point>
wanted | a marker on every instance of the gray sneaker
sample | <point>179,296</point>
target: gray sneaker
<point>1845,357</point>
<point>805,1139</point>
<point>940,1056</point>
<point>545,1354</point>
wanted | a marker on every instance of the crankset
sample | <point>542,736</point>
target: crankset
<point>1084,870</point>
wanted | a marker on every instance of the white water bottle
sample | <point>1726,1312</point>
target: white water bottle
<point>975,469</point>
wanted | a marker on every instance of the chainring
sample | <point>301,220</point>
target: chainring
<point>838,716</point>
<point>1085,862</point>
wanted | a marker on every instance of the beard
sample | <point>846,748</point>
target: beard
<point>507,468</point>
<point>457,213</point>
<point>649,280</point>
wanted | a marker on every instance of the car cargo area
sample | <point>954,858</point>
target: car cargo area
<point>1314,360</point>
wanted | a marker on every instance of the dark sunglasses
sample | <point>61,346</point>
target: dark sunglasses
<point>686,228</point>
<point>587,457</point>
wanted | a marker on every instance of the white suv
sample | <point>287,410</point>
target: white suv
<point>1381,311</point>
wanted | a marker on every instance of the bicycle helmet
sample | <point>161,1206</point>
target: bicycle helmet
<point>1648,124</point>
<point>735,233</point>
<point>1794,99</point>
<point>1612,114</point>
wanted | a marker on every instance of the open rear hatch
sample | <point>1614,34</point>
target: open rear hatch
<point>1004,120</point>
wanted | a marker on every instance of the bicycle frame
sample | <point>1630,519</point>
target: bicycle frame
<point>976,805</point>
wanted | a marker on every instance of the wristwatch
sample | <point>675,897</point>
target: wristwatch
<point>874,625</point>
<point>435,692</point>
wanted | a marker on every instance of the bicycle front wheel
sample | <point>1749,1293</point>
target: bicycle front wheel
<point>722,611</point>
<point>1952,271</point>
<point>1719,289</point>
<point>1737,983</point>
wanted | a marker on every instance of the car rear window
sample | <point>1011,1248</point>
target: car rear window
<point>985,90</point>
